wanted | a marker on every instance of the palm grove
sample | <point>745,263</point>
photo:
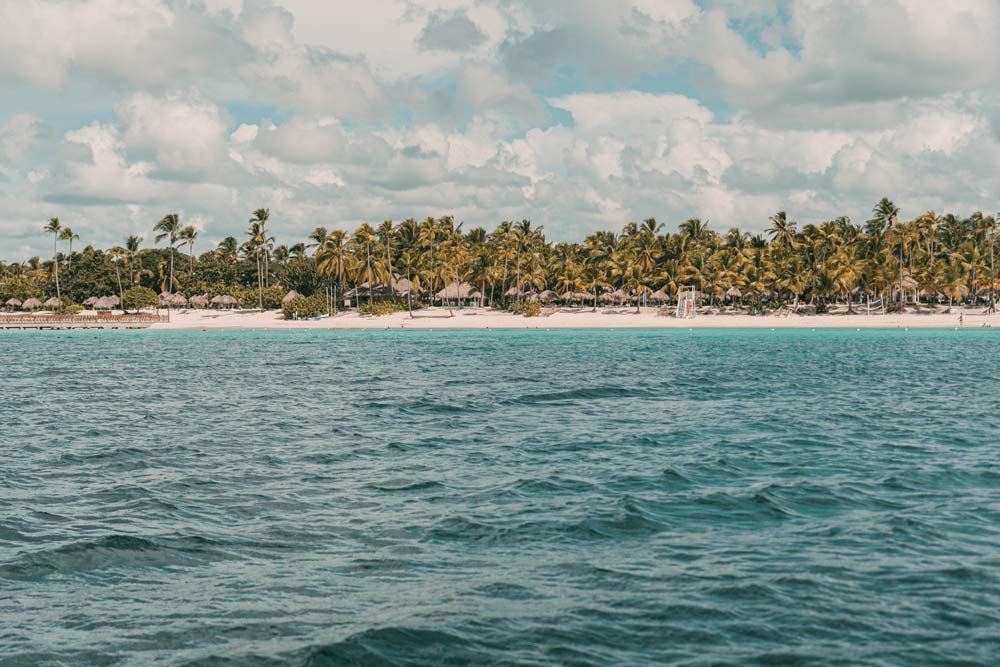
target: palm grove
<point>933,258</point>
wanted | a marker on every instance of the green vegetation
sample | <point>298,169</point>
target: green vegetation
<point>526,308</point>
<point>304,307</point>
<point>382,308</point>
<point>931,258</point>
<point>137,298</point>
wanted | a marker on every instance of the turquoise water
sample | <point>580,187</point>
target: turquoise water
<point>500,498</point>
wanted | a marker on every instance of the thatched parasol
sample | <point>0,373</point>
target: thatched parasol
<point>225,301</point>
<point>459,291</point>
<point>13,303</point>
<point>547,296</point>
<point>607,297</point>
<point>292,294</point>
<point>659,296</point>
<point>570,297</point>
<point>734,292</point>
<point>54,304</point>
<point>172,300</point>
<point>106,303</point>
<point>31,304</point>
<point>90,301</point>
<point>199,301</point>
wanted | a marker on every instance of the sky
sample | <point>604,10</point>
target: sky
<point>578,115</point>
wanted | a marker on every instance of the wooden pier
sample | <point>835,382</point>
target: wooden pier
<point>97,321</point>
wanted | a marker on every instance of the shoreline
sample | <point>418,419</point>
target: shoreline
<point>482,318</point>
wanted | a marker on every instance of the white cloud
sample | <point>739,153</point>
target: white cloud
<point>328,115</point>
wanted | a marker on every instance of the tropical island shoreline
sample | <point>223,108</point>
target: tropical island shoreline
<point>486,318</point>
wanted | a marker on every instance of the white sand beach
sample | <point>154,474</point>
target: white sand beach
<point>484,318</point>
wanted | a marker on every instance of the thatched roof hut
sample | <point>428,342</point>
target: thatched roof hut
<point>910,283</point>
<point>292,294</point>
<point>571,297</point>
<point>168,300</point>
<point>31,304</point>
<point>54,304</point>
<point>199,301</point>
<point>659,296</point>
<point>90,301</point>
<point>734,293</point>
<point>606,297</point>
<point>13,303</point>
<point>547,296</point>
<point>462,291</point>
<point>225,301</point>
<point>106,303</point>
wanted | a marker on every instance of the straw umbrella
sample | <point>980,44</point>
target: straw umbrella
<point>199,301</point>
<point>54,304</point>
<point>225,301</point>
<point>292,294</point>
<point>13,304</point>
<point>90,301</point>
<point>31,304</point>
<point>734,293</point>
<point>106,303</point>
<point>659,296</point>
<point>547,296</point>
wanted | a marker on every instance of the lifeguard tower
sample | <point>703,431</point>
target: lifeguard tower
<point>686,303</point>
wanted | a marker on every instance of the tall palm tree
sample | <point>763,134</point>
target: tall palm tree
<point>67,235</point>
<point>188,235</point>
<point>54,227</point>
<point>884,216</point>
<point>261,217</point>
<point>169,228</point>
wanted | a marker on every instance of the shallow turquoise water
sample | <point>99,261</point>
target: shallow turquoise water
<point>500,498</point>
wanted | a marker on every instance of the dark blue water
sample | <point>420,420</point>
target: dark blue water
<point>500,498</point>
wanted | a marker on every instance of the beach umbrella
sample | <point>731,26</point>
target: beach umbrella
<point>292,294</point>
<point>225,301</point>
<point>734,292</point>
<point>54,304</point>
<point>513,293</point>
<point>90,301</point>
<point>13,303</point>
<point>607,297</point>
<point>199,301</point>
<point>172,300</point>
<point>547,296</point>
<point>31,304</point>
<point>106,303</point>
<point>659,296</point>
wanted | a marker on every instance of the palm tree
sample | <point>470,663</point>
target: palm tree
<point>884,216</point>
<point>169,228</point>
<point>67,235</point>
<point>132,244</point>
<point>55,228</point>
<point>261,217</point>
<point>188,235</point>
<point>118,253</point>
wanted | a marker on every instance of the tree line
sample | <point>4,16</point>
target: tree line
<point>934,257</point>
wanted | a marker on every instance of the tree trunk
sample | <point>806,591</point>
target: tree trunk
<point>55,264</point>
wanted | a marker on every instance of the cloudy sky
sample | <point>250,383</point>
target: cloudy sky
<point>577,114</point>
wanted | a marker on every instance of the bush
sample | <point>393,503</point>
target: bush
<point>526,308</point>
<point>305,306</point>
<point>531,309</point>
<point>271,297</point>
<point>74,309</point>
<point>892,307</point>
<point>381,308</point>
<point>136,298</point>
<point>822,308</point>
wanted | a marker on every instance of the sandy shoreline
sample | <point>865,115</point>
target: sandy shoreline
<point>477,318</point>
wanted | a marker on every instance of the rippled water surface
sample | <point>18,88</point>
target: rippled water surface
<point>500,498</point>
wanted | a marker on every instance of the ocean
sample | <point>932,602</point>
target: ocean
<point>483,497</point>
